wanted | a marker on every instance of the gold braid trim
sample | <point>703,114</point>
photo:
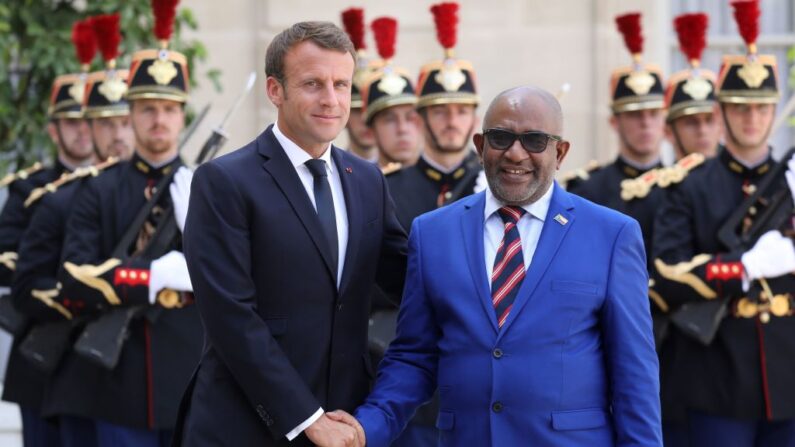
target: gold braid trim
<point>65,179</point>
<point>46,297</point>
<point>9,259</point>
<point>681,273</point>
<point>657,298</point>
<point>89,275</point>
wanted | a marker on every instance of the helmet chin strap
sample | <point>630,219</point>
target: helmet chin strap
<point>434,140</point>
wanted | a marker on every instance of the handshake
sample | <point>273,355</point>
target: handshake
<point>336,428</point>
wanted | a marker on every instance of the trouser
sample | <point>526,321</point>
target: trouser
<point>111,435</point>
<point>37,431</point>
<point>77,431</point>
<point>707,430</point>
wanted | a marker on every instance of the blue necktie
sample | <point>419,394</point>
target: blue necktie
<point>325,207</point>
<point>508,272</point>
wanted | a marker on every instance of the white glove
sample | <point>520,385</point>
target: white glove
<point>790,174</point>
<point>180,195</point>
<point>169,272</point>
<point>773,255</point>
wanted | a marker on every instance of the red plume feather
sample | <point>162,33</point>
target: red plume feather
<point>165,11</point>
<point>692,32</point>
<point>385,33</point>
<point>629,26</point>
<point>445,17</point>
<point>106,28</point>
<point>353,22</point>
<point>746,14</point>
<point>84,41</point>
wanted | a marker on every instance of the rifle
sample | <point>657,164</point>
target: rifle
<point>46,343</point>
<point>768,208</point>
<point>103,339</point>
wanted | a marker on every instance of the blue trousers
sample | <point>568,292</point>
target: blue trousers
<point>111,435</point>
<point>36,431</point>
<point>675,434</point>
<point>77,431</point>
<point>708,430</point>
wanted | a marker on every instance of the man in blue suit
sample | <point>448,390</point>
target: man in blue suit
<point>525,305</point>
<point>285,239</point>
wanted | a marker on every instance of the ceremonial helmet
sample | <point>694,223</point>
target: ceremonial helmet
<point>749,78</point>
<point>449,80</point>
<point>638,86</point>
<point>159,73</point>
<point>387,86</point>
<point>692,90</point>
<point>106,89</point>
<point>353,23</point>
<point>68,90</point>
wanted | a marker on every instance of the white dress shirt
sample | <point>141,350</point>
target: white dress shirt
<point>529,225</point>
<point>298,157</point>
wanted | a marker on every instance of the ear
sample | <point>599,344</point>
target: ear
<point>614,122</point>
<point>669,134</point>
<point>477,138</point>
<point>52,131</point>
<point>561,150</point>
<point>275,91</point>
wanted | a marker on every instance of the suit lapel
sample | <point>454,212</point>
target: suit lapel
<point>350,190</point>
<point>472,232</point>
<point>283,173</point>
<point>551,237</point>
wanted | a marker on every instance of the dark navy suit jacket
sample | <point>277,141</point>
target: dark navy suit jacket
<point>281,339</point>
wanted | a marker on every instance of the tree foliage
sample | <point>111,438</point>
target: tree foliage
<point>35,47</point>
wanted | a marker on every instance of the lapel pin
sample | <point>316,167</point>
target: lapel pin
<point>561,220</point>
<point>348,170</point>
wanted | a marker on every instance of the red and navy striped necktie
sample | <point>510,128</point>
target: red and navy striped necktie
<point>508,273</point>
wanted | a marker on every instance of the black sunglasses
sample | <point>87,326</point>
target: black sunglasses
<point>533,141</point>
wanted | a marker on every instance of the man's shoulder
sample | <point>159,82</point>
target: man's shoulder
<point>595,214</point>
<point>442,216</point>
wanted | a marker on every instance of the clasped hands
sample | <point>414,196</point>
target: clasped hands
<point>336,429</point>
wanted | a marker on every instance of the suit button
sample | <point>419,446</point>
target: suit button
<point>497,407</point>
<point>339,307</point>
<point>497,353</point>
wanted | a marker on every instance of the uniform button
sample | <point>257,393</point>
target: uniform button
<point>497,407</point>
<point>339,307</point>
<point>497,353</point>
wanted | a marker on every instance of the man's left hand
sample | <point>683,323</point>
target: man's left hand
<point>346,418</point>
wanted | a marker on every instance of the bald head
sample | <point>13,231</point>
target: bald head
<point>526,100</point>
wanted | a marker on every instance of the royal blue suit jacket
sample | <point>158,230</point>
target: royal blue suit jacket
<point>281,339</point>
<point>573,365</point>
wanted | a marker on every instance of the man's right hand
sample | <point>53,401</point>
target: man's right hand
<point>326,432</point>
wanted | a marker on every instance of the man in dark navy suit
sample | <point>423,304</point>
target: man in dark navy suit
<point>284,240</point>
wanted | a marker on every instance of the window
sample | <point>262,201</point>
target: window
<point>776,36</point>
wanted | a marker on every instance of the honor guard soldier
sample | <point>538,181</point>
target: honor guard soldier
<point>360,138</point>
<point>36,291</point>
<point>70,134</point>
<point>693,121</point>
<point>448,168</point>
<point>693,128</point>
<point>638,119</point>
<point>24,384</point>
<point>736,365</point>
<point>389,104</point>
<point>121,258</point>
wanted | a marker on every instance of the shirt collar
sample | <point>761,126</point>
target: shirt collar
<point>297,155</point>
<point>537,209</point>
